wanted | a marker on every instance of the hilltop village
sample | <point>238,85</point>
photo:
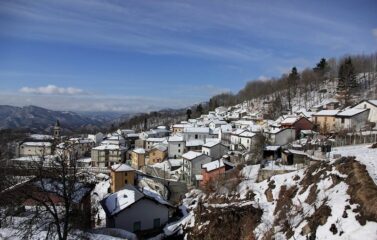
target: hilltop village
<point>139,181</point>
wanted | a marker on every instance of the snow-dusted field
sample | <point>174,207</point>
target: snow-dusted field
<point>363,154</point>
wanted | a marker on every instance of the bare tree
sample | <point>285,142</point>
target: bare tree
<point>54,195</point>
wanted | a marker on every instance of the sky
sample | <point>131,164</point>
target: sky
<point>139,56</point>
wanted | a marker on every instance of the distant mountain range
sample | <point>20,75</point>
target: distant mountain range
<point>39,119</point>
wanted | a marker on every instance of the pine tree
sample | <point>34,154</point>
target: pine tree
<point>292,86</point>
<point>199,109</point>
<point>188,113</point>
<point>341,79</point>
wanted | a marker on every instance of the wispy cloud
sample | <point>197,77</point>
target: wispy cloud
<point>52,89</point>
<point>374,32</point>
<point>94,102</point>
<point>223,30</point>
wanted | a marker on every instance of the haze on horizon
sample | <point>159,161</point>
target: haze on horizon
<point>134,56</point>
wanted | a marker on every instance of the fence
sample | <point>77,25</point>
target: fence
<point>354,139</point>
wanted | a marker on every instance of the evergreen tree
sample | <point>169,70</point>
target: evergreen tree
<point>346,76</point>
<point>199,109</point>
<point>188,113</point>
<point>341,79</point>
<point>292,86</point>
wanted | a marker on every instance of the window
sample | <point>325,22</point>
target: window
<point>179,145</point>
<point>126,181</point>
<point>342,120</point>
<point>179,150</point>
<point>196,136</point>
<point>137,226</point>
<point>125,174</point>
<point>156,223</point>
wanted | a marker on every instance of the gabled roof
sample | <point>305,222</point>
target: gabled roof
<point>121,167</point>
<point>213,143</point>
<point>175,138</point>
<point>373,102</point>
<point>191,155</point>
<point>326,113</point>
<point>247,134</point>
<point>238,131</point>
<point>160,147</point>
<point>290,120</point>
<point>139,150</point>
<point>37,144</point>
<point>196,130</point>
<point>351,112</point>
<point>119,201</point>
<point>194,143</point>
<point>216,165</point>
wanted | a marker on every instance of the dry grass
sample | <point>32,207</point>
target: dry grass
<point>362,189</point>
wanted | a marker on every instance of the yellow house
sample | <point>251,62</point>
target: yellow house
<point>121,174</point>
<point>157,154</point>
<point>138,158</point>
<point>178,128</point>
<point>325,120</point>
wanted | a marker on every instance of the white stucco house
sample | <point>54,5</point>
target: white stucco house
<point>352,119</point>
<point>136,210</point>
<point>192,165</point>
<point>176,146</point>
<point>281,136</point>
<point>372,106</point>
<point>215,149</point>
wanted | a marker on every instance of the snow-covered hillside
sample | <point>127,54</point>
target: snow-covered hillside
<point>328,200</point>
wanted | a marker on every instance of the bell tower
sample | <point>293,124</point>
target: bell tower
<point>57,130</point>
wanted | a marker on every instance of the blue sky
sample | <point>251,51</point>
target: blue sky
<point>147,55</point>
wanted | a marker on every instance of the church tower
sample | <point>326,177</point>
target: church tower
<point>57,130</point>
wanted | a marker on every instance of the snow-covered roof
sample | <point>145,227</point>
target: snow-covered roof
<point>272,148</point>
<point>196,130</point>
<point>238,131</point>
<point>218,122</point>
<point>226,128</point>
<point>326,113</point>
<point>139,150</point>
<point>191,155</point>
<point>213,165</point>
<point>160,147</point>
<point>181,125</point>
<point>175,138</point>
<point>118,201</point>
<point>194,143</point>
<point>212,143</point>
<point>351,112</point>
<point>37,144</point>
<point>198,177</point>
<point>290,120</point>
<point>122,199</point>
<point>109,147</point>
<point>41,137</point>
<point>84,160</point>
<point>176,162</point>
<point>155,139</point>
<point>121,167</point>
<point>216,165</point>
<point>374,102</point>
<point>247,134</point>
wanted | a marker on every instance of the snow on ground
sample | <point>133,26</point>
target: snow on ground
<point>250,172</point>
<point>363,154</point>
<point>98,193</point>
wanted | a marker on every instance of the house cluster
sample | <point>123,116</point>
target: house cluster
<point>196,152</point>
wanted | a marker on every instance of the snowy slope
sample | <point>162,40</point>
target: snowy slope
<point>363,154</point>
<point>336,200</point>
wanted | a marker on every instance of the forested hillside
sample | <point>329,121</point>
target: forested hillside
<point>349,79</point>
